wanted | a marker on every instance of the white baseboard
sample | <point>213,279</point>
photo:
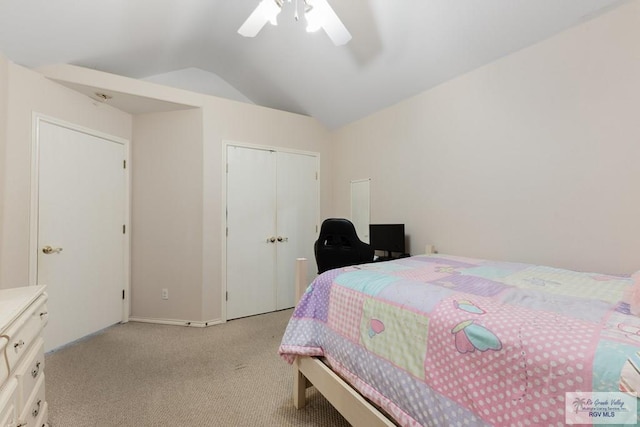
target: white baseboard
<point>175,322</point>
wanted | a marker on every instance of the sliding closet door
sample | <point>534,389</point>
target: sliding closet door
<point>297,218</point>
<point>251,227</point>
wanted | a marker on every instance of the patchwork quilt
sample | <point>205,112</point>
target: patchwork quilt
<point>445,340</point>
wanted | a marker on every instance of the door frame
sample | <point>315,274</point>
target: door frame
<point>223,204</point>
<point>38,118</point>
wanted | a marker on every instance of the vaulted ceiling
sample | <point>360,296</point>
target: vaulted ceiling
<point>399,47</point>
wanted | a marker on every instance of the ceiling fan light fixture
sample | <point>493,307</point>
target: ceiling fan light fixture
<point>318,14</point>
<point>267,11</point>
<point>314,18</point>
<point>272,10</point>
<point>321,15</point>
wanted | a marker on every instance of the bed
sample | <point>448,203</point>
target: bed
<point>446,340</point>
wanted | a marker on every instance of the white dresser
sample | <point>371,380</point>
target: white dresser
<point>23,315</point>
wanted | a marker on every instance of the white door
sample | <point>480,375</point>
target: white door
<point>272,219</point>
<point>81,241</point>
<point>297,218</point>
<point>251,231</point>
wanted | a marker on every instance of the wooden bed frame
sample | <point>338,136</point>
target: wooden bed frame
<point>311,371</point>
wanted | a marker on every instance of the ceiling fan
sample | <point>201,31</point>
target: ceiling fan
<point>317,13</point>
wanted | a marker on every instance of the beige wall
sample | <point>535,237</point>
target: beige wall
<point>166,232</point>
<point>177,240</point>
<point>237,122</point>
<point>4,78</point>
<point>30,92</point>
<point>192,267</point>
<point>532,158</point>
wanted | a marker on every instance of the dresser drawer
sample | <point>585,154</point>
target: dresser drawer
<point>24,331</point>
<point>30,369</point>
<point>36,405</point>
<point>8,403</point>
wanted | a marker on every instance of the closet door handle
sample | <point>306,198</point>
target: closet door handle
<point>283,239</point>
<point>271,239</point>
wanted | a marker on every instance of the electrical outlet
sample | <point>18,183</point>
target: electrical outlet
<point>165,293</point>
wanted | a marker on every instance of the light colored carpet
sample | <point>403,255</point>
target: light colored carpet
<point>140,374</point>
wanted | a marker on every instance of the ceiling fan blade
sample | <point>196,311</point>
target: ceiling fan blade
<point>266,11</point>
<point>333,26</point>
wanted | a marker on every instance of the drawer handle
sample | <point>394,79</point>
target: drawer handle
<point>36,371</point>
<point>17,346</point>
<point>36,411</point>
<point>44,313</point>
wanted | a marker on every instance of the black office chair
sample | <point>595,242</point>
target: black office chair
<point>338,245</point>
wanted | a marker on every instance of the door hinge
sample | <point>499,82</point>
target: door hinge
<point>124,229</point>
<point>227,231</point>
<point>316,228</point>
<point>226,296</point>
<point>227,167</point>
<point>124,164</point>
<point>316,176</point>
<point>123,294</point>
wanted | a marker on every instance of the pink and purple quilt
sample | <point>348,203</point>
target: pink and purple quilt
<point>444,340</point>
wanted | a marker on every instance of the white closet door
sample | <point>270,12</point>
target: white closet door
<point>297,217</point>
<point>81,212</point>
<point>251,207</point>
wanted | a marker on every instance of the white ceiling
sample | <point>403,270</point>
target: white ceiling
<point>399,47</point>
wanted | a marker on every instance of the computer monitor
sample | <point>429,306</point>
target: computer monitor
<point>387,237</point>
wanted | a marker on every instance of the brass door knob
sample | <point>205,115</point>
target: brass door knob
<point>50,250</point>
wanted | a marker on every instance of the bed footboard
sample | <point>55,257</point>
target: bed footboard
<point>351,405</point>
<point>300,382</point>
<point>312,371</point>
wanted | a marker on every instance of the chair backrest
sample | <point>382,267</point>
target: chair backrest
<point>338,245</point>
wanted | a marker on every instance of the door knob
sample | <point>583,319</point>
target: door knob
<point>271,240</point>
<point>49,250</point>
<point>283,239</point>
